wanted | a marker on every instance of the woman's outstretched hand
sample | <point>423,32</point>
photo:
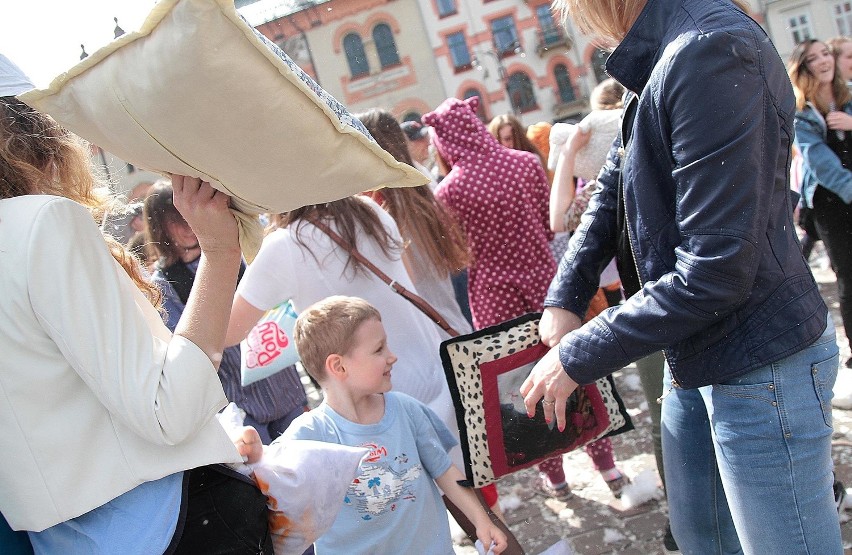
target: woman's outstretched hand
<point>207,212</point>
<point>549,381</point>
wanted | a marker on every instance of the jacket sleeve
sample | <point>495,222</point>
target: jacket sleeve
<point>724,141</point>
<point>592,246</point>
<point>820,160</point>
<point>161,386</point>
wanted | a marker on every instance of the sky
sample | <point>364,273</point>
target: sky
<point>43,36</point>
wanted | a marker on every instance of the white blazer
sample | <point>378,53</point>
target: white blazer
<point>96,395</point>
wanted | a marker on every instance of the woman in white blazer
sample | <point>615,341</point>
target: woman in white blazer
<point>103,410</point>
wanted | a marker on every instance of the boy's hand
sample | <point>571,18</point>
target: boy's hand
<point>249,444</point>
<point>493,539</point>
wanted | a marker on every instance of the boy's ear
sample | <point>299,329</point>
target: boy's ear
<point>334,367</point>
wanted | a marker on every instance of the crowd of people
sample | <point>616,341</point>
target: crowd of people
<point>677,252</point>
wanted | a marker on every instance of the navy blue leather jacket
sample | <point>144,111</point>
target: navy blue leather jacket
<point>705,170</point>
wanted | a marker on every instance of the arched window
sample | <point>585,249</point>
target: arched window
<point>480,111</point>
<point>385,45</point>
<point>354,48</point>
<point>563,82</point>
<point>598,62</point>
<point>521,93</point>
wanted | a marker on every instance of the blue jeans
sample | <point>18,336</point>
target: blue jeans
<point>748,461</point>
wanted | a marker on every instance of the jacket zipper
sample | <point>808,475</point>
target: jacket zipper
<point>634,99</point>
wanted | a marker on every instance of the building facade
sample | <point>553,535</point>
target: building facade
<point>366,53</point>
<point>408,55</point>
<point>790,22</point>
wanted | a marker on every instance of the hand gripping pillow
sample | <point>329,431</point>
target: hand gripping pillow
<point>197,91</point>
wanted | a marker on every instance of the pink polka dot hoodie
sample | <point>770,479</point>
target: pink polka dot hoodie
<point>500,197</point>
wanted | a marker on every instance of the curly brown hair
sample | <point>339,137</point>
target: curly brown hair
<point>39,156</point>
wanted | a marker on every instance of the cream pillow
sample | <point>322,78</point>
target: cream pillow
<point>197,91</point>
<point>604,125</point>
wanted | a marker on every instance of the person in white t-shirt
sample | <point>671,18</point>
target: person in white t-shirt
<point>298,261</point>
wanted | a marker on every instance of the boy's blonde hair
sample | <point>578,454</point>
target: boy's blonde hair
<point>328,327</point>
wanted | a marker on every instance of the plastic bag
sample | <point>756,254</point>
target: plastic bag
<point>269,346</point>
<point>305,482</point>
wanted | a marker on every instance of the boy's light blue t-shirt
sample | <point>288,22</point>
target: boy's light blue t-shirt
<point>393,506</point>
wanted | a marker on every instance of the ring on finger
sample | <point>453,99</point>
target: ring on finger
<point>548,402</point>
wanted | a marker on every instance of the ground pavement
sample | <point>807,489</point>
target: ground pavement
<point>593,522</point>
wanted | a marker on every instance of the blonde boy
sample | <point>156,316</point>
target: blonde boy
<point>393,506</point>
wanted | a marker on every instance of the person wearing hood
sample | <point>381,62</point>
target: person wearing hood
<point>500,197</point>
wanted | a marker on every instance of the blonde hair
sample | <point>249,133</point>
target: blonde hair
<point>38,156</point>
<point>835,43</point>
<point>608,20</point>
<point>327,328</point>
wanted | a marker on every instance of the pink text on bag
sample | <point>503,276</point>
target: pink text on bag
<point>265,343</point>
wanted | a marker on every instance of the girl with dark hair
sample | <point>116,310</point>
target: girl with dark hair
<point>271,403</point>
<point>300,262</point>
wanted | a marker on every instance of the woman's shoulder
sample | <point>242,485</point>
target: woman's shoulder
<point>36,203</point>
<point>59,216</point>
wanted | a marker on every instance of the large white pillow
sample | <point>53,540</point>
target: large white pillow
<point>197,91</point>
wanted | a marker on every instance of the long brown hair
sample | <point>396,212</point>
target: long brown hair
<point>419,215</point>
<point>520,141</point>
<point>38,156</point>
<point>352,218</point>
<point>805,84</point>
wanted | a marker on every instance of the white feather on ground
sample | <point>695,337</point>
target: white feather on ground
<point>642,489</point>
<point>843,389</point>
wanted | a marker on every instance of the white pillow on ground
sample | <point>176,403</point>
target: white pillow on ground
<point>197,91</point>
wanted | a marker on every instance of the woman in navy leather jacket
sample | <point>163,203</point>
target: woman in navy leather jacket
<point>697,206</point>
<point>823,125</point>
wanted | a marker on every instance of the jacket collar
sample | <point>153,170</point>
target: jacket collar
<point>634,58</point>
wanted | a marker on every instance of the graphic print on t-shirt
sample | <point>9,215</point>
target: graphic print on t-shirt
<point>383,483</point>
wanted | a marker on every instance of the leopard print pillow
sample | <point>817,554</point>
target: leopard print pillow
<point>463,357</point>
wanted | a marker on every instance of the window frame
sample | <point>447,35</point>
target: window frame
<point>551,33</point>
<point>843,19</point>
<point>509,48</point>
<point>351,57</point>
<point>524,81</point>
<point>561,83</point>
<point>450,48</point>
<point>383,50</point>
<point>799,26</point>
<point>440,4</point>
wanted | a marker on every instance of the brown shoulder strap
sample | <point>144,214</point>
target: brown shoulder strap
<point>413,298</point>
